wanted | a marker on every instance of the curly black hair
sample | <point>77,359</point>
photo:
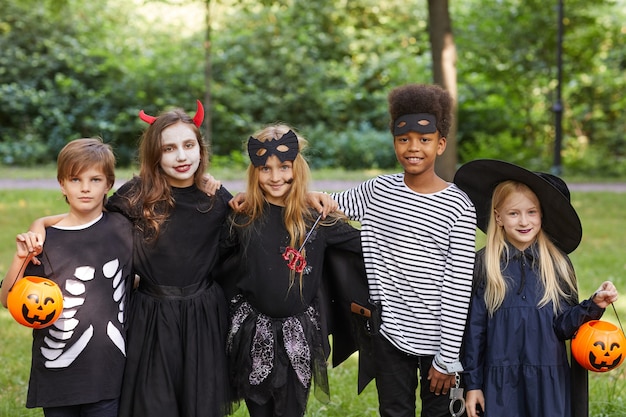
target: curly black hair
<point>421,98</point>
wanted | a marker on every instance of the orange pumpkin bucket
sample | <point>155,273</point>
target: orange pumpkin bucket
<point>35,302</point>
<point>599,346</point>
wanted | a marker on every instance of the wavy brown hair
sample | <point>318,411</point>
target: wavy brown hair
<point>153,192</point>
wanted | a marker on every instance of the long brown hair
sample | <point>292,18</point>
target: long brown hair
<point>154,194</point>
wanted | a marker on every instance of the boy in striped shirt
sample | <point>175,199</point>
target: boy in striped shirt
<point>418,238</point>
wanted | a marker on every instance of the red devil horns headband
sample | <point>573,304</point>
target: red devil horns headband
<point>197,119</point>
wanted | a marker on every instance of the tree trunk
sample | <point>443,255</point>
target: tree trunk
<point>208,113</point>
<point>443,53</point>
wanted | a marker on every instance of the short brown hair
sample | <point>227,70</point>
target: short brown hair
<point>82,154</point>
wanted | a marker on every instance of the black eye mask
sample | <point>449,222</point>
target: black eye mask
<point>420,123</point>
<point>285,149</point>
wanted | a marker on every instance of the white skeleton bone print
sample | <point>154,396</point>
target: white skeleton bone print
<point>61,348</point>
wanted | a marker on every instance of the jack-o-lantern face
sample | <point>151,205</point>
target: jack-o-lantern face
<point>35,302</point>
<point>599,346</point>
<point>604,358</point>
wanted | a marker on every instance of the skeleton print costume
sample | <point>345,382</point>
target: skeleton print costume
<point>275,343</point>
<point>80,358</point>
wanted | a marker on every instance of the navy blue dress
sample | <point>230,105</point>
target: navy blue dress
<point>518,356</point>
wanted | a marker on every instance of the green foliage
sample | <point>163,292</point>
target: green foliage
<point>307,63</point>
<point>25,151</point>
<point>351,149</point>
<point>74,68</point>
<point>504,146</point>
<point>236,160</point>
<point>16,363</point>
<point>600,257</point>
<point>507,83</point>
<point>67,70</point>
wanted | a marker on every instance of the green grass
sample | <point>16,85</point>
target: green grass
<point>599,257</point>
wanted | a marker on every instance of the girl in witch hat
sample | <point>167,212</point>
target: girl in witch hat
<point>525,299</point>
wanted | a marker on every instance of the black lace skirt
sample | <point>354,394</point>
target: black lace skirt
<point>265,353</point>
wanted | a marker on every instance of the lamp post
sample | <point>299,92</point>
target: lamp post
<point>579,375</point>
<point>558,105</point>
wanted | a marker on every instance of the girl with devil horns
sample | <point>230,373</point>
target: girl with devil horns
<point>276,342</point>
<point>176,360</point>
<point>525,298</point>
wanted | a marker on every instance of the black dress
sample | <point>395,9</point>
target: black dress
<point>176,364</point>
<point>275,342</point>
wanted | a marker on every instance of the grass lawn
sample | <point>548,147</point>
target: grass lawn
<point>599,257</point>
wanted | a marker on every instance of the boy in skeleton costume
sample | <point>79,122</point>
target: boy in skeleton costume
<point>78,362</point>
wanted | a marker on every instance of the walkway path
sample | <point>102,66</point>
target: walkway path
<point>321,185</point>
<point>232,185</point>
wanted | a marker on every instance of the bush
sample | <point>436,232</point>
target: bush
<point>506,147</point>
<point>25,151</point>
<point>355,148</point>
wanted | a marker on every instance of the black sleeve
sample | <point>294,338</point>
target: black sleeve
<point>119,202</point>
<point>229,266</point>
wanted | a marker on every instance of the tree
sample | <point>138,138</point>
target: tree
<point>208,75</point>
<point>71,68</point>
<point>443,52</point>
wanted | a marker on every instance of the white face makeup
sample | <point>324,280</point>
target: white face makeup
<point>180,156</point>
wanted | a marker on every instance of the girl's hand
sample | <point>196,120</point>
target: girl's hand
<point>321,202</point>
<point>238,202</point>
<point>605,295</point>
<point>474,403</point>
<point>210,185</point>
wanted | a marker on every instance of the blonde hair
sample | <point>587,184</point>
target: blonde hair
<point>297,215</point>
<point>556,272</point>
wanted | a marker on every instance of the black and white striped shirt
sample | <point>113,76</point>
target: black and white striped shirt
<point>419,256</point>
